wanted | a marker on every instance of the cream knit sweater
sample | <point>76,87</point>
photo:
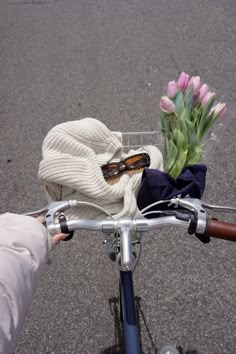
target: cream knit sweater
<point>73,153</point>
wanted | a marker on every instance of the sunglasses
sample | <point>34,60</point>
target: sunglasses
<point>130,163</point>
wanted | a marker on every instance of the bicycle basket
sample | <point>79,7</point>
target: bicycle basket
<point>135,140</point>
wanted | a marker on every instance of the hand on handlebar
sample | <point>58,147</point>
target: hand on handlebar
<point>57,237</point>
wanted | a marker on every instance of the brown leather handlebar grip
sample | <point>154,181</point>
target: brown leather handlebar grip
<point>221,229</point>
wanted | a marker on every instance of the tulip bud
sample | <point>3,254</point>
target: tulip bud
<point>167,105</point>
<point>203,91</point>
<point>196,85</point>
<point>183,81</point>
<point>171,89</point>
<point>222,113</point>
<point>207,97</point>
<point>219,110</point>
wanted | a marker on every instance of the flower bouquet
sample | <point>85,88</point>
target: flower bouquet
<point>188,111</point>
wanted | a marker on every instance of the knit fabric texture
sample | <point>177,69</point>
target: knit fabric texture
<point>73,153</point>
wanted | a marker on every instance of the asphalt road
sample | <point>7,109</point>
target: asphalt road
<point>65,60</point>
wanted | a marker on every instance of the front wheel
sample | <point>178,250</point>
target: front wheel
<point>168,349</point>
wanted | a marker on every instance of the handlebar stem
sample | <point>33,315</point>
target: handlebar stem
<point>125,248</point>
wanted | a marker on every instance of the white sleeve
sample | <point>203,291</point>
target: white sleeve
<point>25,245</point>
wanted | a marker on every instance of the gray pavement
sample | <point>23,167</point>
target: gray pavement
<point>65,60</point>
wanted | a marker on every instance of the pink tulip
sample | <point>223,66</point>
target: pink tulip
<point>167,105</point>
<point>207,97</point>
<point>219,110</point>
<point>203,91</point>
<point>171,89</point>
<point>195,81</point>
<point>222,113</point>
<point>183,81</point>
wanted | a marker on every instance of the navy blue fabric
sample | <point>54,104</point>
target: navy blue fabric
<point>157,185</point>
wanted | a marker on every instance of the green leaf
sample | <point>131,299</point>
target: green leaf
<point>179,102</point>
<point>188,100</point>
<point>183,118</point>
<point>179,139</point>
<point>204,118</point>
<point>179,164</point>
<point>196,115</point>
<point>196,157</point>
<point>168,124</point>
<point>171,156</point>
<point>209,122</point>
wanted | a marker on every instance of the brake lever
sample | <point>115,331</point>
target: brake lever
<point>195,206</point>
<point>219,207</point>
<point>198,208</point>
<point>37,213</point>
<point>53,210</point>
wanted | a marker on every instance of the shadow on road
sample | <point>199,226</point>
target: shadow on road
<point>189,351</point>
<point>118,346</point>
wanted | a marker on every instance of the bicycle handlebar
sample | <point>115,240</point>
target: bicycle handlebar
<point>187,213</point>
<point>112,226</point>
<point>215,228</point>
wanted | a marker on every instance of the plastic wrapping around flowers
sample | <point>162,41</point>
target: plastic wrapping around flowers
<point>188,111</point>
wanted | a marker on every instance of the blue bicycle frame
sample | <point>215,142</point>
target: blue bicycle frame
<point>130,324</point>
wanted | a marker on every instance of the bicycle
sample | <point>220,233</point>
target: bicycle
<point>123,235</point>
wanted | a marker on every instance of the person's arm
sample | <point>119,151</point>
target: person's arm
<point>25,245</point>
